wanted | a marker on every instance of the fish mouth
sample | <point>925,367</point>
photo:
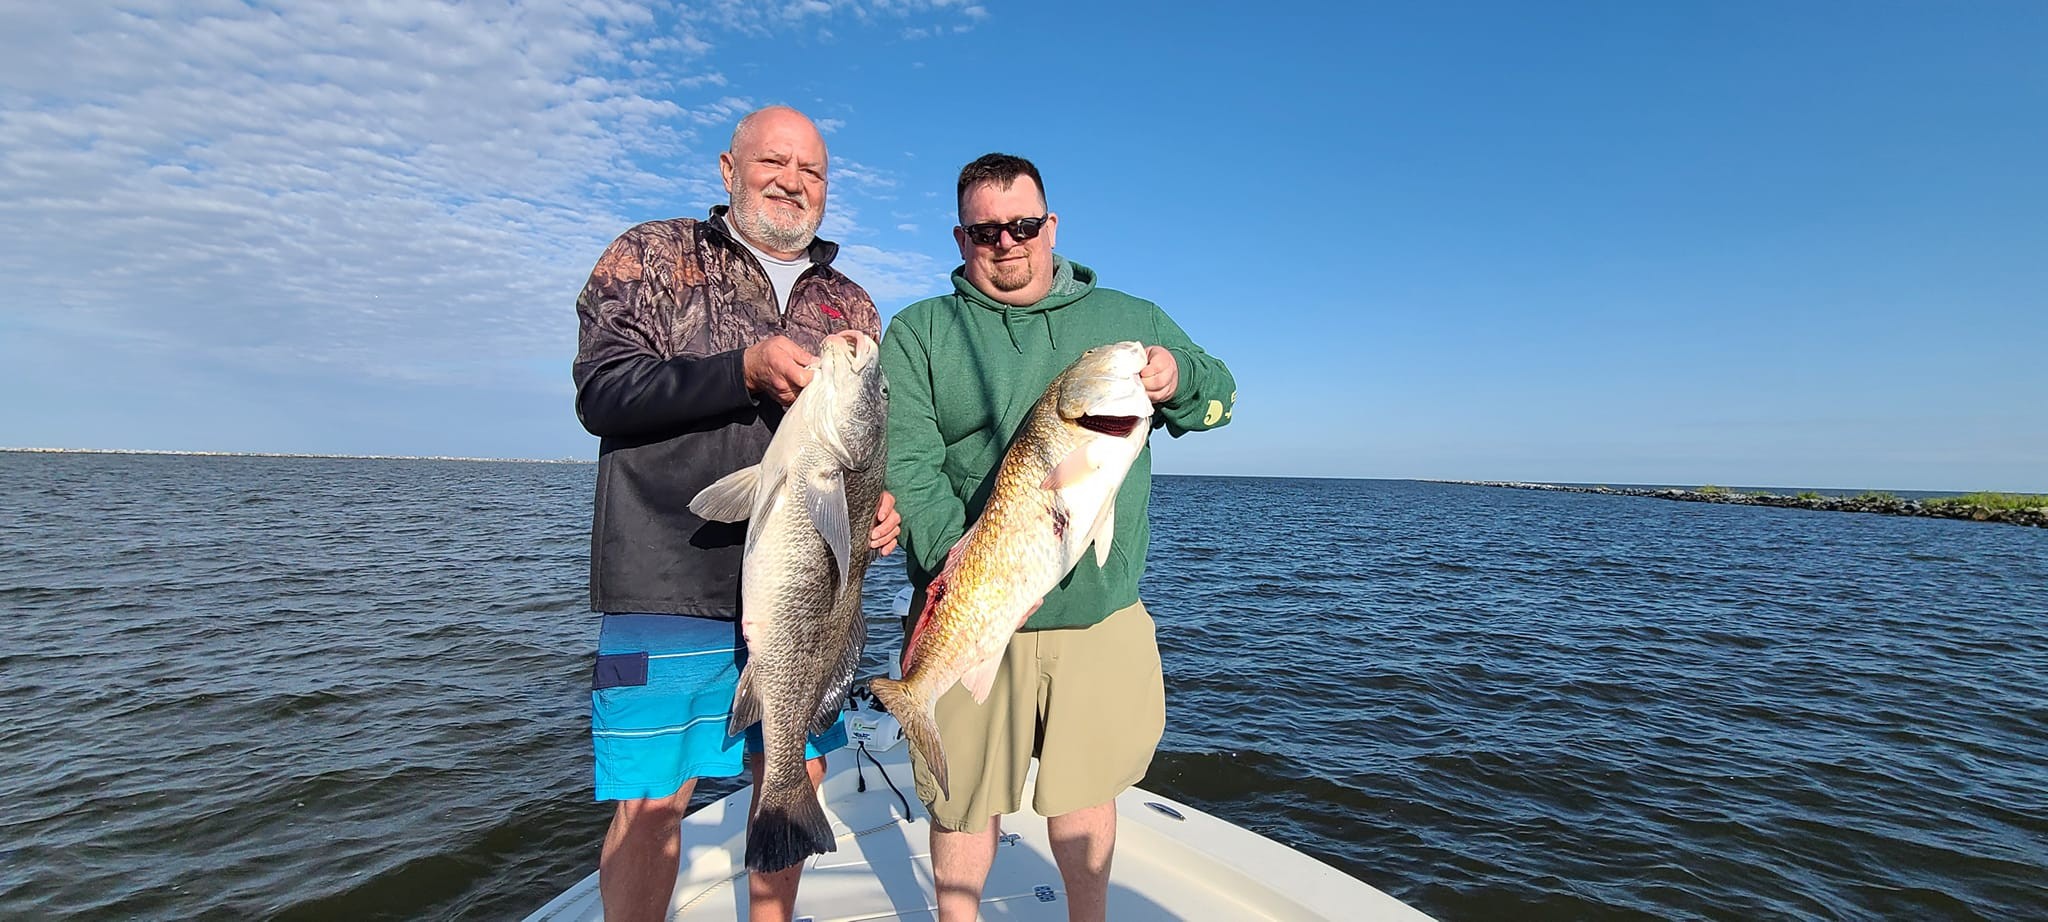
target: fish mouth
<point>1112,426</point>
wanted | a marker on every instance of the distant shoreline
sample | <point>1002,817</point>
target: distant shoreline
<point>284,454</point>
<point>2006,508</point>
<point>1951,507</point>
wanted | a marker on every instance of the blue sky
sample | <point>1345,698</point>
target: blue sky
<point>1734,243</point>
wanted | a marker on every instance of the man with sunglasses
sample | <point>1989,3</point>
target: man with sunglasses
<point>1080,687</point>
<point>693,337</point>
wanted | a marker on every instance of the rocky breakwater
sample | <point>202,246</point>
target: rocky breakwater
<point>2007,508</point>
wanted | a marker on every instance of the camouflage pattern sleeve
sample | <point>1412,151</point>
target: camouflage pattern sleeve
<point>864,317</point>
<point>630,378</point>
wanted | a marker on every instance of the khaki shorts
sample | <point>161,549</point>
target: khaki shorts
<point>1089,703</point>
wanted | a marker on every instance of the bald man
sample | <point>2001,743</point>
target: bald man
<point>693,335</point>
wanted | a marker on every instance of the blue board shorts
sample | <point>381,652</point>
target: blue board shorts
<point>659,700</point>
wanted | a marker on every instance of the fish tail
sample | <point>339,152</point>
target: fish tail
<point>915,712</point>
<point>788,829</point>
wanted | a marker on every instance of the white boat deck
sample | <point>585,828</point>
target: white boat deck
<point>1172,862</point>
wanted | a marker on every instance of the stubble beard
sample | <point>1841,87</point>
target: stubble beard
<point>758,225</point>
<point>1007,277</point>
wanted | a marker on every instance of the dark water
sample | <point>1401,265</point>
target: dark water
<point>303,688</point>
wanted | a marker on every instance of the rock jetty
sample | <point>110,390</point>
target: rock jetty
<point>1959,507</point>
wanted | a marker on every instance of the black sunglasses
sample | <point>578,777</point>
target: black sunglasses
<point>989,234</point>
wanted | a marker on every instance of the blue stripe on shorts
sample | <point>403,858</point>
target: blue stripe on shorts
<point>660,695</point>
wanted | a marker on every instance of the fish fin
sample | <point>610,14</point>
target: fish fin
<point>840,680</point>
<point>826,497</point>
<point>746,707</point>
<point>789,826</point>
<point>1072,469</point>
<point>828,713</point>
<point>982,677</point>
<point>1105,529</point>
<point>730,498</point>
<point>914,711</point>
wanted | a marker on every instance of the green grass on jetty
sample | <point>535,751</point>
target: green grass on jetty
<point>2028,509</point>
<point>1998,501</point>
<point>1995,501</point>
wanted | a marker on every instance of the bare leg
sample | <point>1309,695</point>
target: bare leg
<point>772,897</point>
<point>960,863</point>
<point>1082,842</point>
<point>636,871</point>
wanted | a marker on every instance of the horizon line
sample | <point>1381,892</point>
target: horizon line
<point>284,454</point>
<point>468,458</point>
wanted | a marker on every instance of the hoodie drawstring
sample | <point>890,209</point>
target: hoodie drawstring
<point>1010,315</point>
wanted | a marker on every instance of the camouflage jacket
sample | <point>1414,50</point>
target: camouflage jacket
<point>662,326</point>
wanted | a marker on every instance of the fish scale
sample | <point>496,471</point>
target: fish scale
<point>837,624</point>
<point>1054,497</point>
<point>799,604</point>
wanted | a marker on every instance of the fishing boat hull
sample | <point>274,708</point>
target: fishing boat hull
<point>1172,862</point>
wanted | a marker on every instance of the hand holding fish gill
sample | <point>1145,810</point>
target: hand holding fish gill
<point>778,368</point>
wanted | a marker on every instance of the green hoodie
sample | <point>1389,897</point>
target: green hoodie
<point>964,370</point>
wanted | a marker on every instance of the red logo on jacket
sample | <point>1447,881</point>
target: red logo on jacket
<point>830,311</point>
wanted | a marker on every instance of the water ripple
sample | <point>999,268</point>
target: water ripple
<point>313,688</point>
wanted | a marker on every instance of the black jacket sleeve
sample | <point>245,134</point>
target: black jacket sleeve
<point>626,386</point>
<point>643,395</point>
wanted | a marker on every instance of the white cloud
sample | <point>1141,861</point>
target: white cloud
<point>406,192</point>
<point>842,220</point>
<point>893,278</point>
<point>397,192</point>
<point>756,18</point>
<point>973,14</point>
<point>907,228</point>
<point>852,174</point>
